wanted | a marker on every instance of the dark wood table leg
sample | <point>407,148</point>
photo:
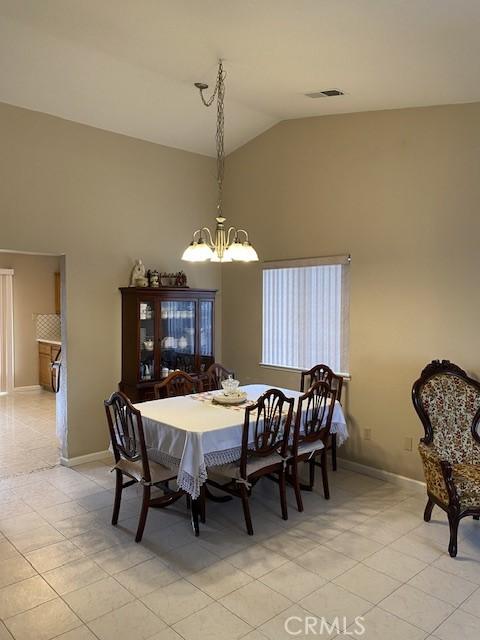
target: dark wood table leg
<point>194,511</point>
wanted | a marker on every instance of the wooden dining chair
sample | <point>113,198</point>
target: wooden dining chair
<point>323,373</point>
<point>131,460</point>
<point>177,383</point>
<point>216,373</point>
<point>265,435</point>
<point>313,420</point>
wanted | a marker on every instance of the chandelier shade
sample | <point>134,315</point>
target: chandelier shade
<point>224,245</point>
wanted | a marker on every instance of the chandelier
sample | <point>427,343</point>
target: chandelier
<point>225,245</point>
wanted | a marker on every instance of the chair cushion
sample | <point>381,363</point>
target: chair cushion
<point>134,469</point>
<point>466,478</point>
<point>225,472</point>
<point>310,447</point>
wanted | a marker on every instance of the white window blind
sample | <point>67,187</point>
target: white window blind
<point>6,330</point>
<point>305,313</point>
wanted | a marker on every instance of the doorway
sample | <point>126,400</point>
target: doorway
<point>30,356</point>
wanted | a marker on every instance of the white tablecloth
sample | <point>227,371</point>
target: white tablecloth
<point>189,435</point>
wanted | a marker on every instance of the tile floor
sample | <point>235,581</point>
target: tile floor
<point>27,432</point>
<point>66,573</point>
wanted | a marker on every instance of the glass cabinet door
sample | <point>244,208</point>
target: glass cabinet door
<point>206,333</point>
<point>177,349</point>
<point>147,341</point>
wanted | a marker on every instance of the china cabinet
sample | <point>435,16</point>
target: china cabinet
<point>162,330</point>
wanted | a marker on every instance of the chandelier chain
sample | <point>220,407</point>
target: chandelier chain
<point>219,93</point>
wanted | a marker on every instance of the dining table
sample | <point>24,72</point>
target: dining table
<point>191,433</point>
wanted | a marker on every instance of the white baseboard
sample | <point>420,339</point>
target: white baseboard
<point>400,481</point>
<point>89,457</point>
<point>32,387</point>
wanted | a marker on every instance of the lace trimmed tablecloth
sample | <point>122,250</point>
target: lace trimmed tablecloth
<point>190,433</point>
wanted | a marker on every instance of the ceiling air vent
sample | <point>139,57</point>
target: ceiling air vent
<point>327,93</point>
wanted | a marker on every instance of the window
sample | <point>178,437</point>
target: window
<point>305,313</point>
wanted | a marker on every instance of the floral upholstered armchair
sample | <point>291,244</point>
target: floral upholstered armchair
<point>448,404</point>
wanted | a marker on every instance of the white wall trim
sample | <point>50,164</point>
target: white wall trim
<point>89,457</point>
<point>400,481</point>
<point>32,387</point>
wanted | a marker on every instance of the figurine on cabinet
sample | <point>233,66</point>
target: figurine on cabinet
<point>153,278</point>
<point>138,278</point>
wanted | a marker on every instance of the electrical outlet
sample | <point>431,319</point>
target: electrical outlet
<point>367,434</point>
<point>408,444</point>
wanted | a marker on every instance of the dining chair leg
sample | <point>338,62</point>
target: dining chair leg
<point>334,451</point>
<point>311,465</point>
<point>283,493</point>
<point>143,513</point>
<point>326,490</point>
<point>202,505</point>
<point>246,509</point>
<point>296,485</point>
<point>118,495</point>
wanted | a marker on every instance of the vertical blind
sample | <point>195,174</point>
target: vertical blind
<point>304,316</point>
<point>6,330</point>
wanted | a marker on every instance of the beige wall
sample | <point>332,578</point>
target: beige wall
<point>101,199</point>
<point>33,293</point>
<point>400,191</point>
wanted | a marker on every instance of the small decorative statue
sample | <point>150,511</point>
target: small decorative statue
<point>153,278</point>
<point>138,278</point>
<point>180,279</point>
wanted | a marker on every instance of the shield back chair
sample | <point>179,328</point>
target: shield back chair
<point>323,373</point>
<point>313,420</point>
<point>447,402</point>
<point>131,460</point>
<point>265,437</point>
<point>177,383</point>
<point>215,374</point>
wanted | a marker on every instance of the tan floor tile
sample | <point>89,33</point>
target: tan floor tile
<point>219,579</point>
<point>367,583</point>
<point>212,623</point>
<point>416,607</point>
<point>176,601</point>
<point>445,586</point>
<point>53,556</point>
<point>293,581</point>
<point>254,561</point>
<point>255,603</point>
<point>96,599</point>
<point>47,621</point>
<point>146,577</point>
<point>395,564</point>
<point>36,538</point>
<point>459,625</point>
<point>15,569</point>
<point>332,601</point>
<point>74,575</point>
<point>326,562</point>
<point>131,622</point>
<point>380,625</point>
<point>121,557</point>
<point>24,595</point>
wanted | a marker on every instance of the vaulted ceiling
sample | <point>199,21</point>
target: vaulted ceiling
<point>129,65</point>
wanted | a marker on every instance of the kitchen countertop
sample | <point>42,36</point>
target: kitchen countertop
<point>58,343</point>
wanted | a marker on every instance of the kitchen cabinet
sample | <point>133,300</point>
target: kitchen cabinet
<point>164,329</point>
<point>47,353</point>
